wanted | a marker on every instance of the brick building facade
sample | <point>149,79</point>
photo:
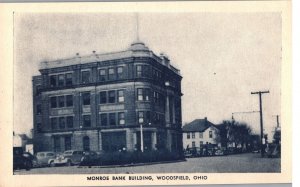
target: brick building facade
<point>98,102</point>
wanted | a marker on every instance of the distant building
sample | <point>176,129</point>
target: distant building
<point>98,102</point>
<point>22,140</point>
<point>199,133</point>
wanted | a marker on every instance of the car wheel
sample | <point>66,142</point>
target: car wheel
<point>52,164</point>
<point>28,165</point>
<point>69,163</point>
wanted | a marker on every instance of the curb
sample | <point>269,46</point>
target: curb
<point>130,165</point>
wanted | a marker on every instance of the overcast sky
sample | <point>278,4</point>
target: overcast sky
<point>222,57</point>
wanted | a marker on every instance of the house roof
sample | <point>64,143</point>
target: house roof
<point>198,125</point>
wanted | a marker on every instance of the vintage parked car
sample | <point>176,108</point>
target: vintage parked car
<point>19,160</point>
<point>44,158</point>
<point>89,158</point>
<point>219,152</point>
<point>70,157</point>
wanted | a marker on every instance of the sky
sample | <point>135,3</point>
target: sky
<point>223,57</point>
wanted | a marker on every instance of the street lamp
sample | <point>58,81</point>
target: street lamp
<point>141,122</point>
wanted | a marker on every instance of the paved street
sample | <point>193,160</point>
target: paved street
<point>241,163</point>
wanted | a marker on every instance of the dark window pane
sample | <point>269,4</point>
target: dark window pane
<point>57,144</point>
<point>111,74</point>
<point>62,123</point>
<point>38,89</point>
<point>53,122</point>
<point>103,97</point>
<point>38,109</point>
<point>70,121</point>
<point>86,99</point>
<point>69,100</point>
<point>39,127</point>
<point>61,101</point>
<point>112,119</point>
<point>112,96</point>
<point>103,119</point>
<point>67,143</point>
<point>53,81</point>
<point>53,102</point>
<point>86,143</point>
<point>69,79</point>
<point>85,76</point>
<point>102,74</point>
<point>86,120</point>
<point>61,80</point>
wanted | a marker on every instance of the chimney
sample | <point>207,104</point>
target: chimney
<point>205,119</point>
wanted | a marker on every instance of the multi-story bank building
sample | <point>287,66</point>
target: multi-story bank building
<point>102,102</point>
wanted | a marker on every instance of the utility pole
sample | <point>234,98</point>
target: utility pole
<point>261,120</point>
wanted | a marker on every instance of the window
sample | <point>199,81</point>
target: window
<point>86,143</point>
<point>193,144</point>
<point>120,96</point>
<point>201,144</point>
<point>85,76</point>
<point>53,80</point>
<point>39,127</point>
<point>200,134</point>
<point>141,117</point>
<point>69,79</point>
<point>38,109</point>
<point>139,71</point>
<point>146,95</point>
<point>53,122</point>
<point>147,117</point>
<point>121,117</point>
<point>57,144</point>
<point>61,101</point>
<point>86,121</point>
<point>53,102</point>
<point>62,123</point>
<point>102,74</point>
<point>193,135</point>
<point>67,143</point>
<point>38,89</point>
<point>112,119</point>
<point>120,72</point>
<point>140,94</point>
<point>210,134</point>
<point>86,99</point>
<point>69,100</point>
<point>103,119</point>
<point>111,74</point>
<point>103,97</point>
<point>188,136</point>
<point>70,121</point>
<point>112,96</point>
<point>156,96</point>
<point>61,80</point>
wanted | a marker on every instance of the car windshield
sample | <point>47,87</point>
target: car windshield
<point>50,154</point>
<point>68,153</point>
<point>41,154</point>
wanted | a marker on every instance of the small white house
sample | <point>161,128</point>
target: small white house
<point>198,133</point>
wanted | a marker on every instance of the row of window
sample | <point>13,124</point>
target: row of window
<point>61,101</point>
<point>188,135</point>
<point>112,96</point>
<point>106,119</point>
<point>68,144</point>
<point>61,122</point>
<point>105,74</point>
<point>201,144</point>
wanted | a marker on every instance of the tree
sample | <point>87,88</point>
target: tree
<point>235,133</point>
